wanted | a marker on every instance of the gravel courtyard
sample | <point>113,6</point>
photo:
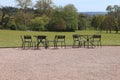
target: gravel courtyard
<point>60,64</point>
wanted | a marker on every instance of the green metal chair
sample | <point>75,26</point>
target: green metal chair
<point>26,41</point>
<point>96,40</point>
<point>59,39</point>
<point>41,39</point>
<point>77,39</point>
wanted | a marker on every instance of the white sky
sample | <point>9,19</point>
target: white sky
<point>81,5</point>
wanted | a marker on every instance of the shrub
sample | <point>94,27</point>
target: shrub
<point>38,23</point>
<point>11,24</point>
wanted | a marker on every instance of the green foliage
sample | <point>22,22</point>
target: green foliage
<point>109,23</point>
<point>71,17</point>
<point>97,22</point>
<point>11,24</point>
<point>64,19</point>
<point>60,25</point>
<point>38,23</point>
<point>23,20</point>
<point>22,27</point>
<point>118,22</point>
<point>44,7</point>
<point>114,11</point>
<point>57,22</point>
<point>109,9</point>
<point>83,21</point>
<point>82,24</point>
<point>5,21</point>
<point>19,18</point>
<point>24,4</point>
<point>0,16</point>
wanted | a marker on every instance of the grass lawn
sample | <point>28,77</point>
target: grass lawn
<point>9,38</point>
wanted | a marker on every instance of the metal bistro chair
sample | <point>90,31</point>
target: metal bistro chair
<point>26,40</point>
<point>77,39</point>
<point>59,39</point>
<point>51,41</point>
<point>96,40</point>
<point>42,39</point>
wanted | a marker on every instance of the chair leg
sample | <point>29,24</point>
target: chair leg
<point>61,44</point>
<point>54,44</point>
<point>92,44</point>
<point>64,44</point>
<point>74,43</point>
<point>23,45</point>
<point>100,44</point>
<point>38,43</point>
<point>84,43</point>
<point>46,45</point>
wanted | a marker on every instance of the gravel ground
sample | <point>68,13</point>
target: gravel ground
<point>60,64</point>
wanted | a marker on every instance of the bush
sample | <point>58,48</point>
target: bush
<point>38,24</point>
<point>13,27</point>
<point>22,27</point>
<point>11,24</point>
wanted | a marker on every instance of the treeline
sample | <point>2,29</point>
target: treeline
<point>108,22</point>
<point>45,16</point>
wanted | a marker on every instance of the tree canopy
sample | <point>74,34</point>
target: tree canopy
<point>44,15</point>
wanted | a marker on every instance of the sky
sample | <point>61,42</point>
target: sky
<point>80,5</point>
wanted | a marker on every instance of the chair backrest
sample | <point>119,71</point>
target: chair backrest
<point>96,37</point>
<point>22,38</point>
<point>27,38</point>
<point>60,37</point>
<point>76,37</point>
<point>41,37</point>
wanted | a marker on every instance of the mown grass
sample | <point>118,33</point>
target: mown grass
<point>10,38</point>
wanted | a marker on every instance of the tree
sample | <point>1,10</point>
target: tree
<point>94,22</point>
<point>20,22</point>
<point>5,20</point>
<point>83,21</point>
<point>113,10</point>
<point>67,16</point>
<point>9,11</point>
<point>97,22</point>
<point>11,24</point>
<point>24,4</point>
<point>116,27</point>
<point>71,17</point>
<point>109,9</point>
<point>44,7</point>
<point>59,25</point>
<point>109,23</point>
<point>1,20</point>
<point>115,13</point>
<point>56,20</point>
<point>38,23</point>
